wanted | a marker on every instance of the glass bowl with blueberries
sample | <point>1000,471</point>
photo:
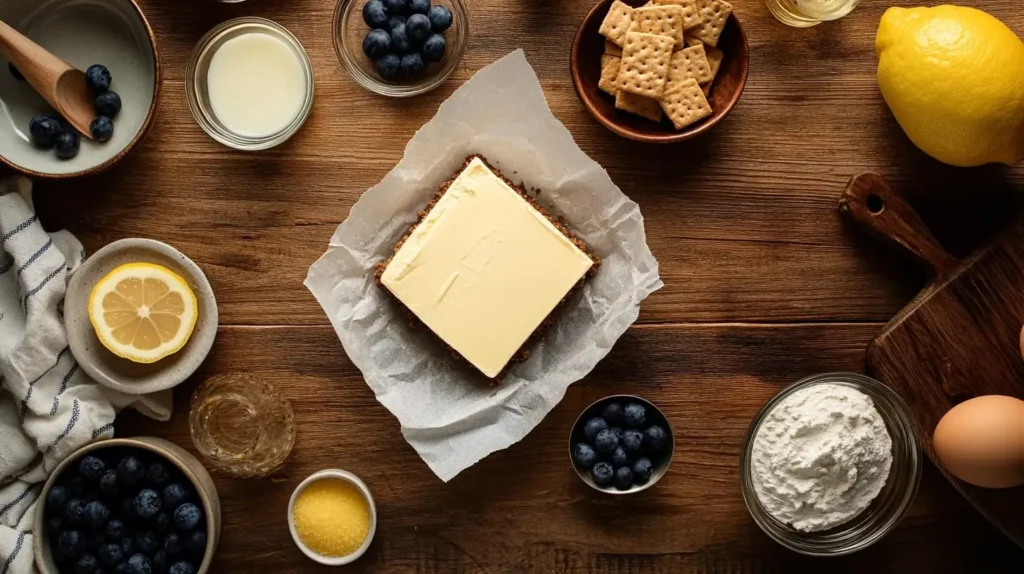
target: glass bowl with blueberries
<point>621,444</point>
<point>132,506</point>
<point>400,48</point>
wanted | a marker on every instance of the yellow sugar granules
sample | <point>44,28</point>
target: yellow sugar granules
<point>332,517</point>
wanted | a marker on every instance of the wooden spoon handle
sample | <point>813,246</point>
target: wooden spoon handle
<point>870,202</point>
<point>31,59</point>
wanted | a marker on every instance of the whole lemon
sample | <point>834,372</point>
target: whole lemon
<point>954,78</point>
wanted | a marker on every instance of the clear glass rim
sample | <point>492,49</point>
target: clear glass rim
<point>343,13</point>
<point>205,117</point>
<point>884,513</point>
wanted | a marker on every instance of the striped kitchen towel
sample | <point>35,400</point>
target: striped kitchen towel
<point>48,406</point>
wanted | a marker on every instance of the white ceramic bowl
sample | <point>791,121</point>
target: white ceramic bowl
<point>82,32</point>
<point>340,475</point>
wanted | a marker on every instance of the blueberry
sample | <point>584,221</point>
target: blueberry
<point>147,503</point>
<point>400,42</point>
<point>387,66</point>
<point>196,544</point>
<point>376,44</point>
<point>130,470</point>
<point>128,509</point>
<point>642,470</point>
<point>613,414</point>
<point>74,512</point>
<point>375,14</point>
<point>655,438</point>
<point>603,473</point>
<point>434,47</point>
<point>90,495</point>
<point>187,516</point>
<point>139,564</point>
<point>148,542</point>
<point>109,104</point>
<point>623,478</point>
<point>71,543</point>
<point>173,544</point>
<point>632,441</point>
<point>108,483</point>
<point>96,514</point>
<point>182,568</point>
<point>157,475</point>
<point>76,487</point>
<point>412,66</point>
<point>96,540</point>
<point>174,495</point>
<point>98,78</point>
<point>87,564</point>
<point>54,525</point>
<point>606,442</point>
<point>110,554</point>
<point>396,6</point>
<point>115,530</point>
<point>128,546</point>
<point>121,568</point>
<point>395,20</point>
<point>56,499</point>
<point>584,455</point>
<point>635,414</point>
<point>440,18</point>
<point>418,27</point>
<point>620,457</point>
<point>44,130</point>
<point>15,72</point>
<point>160,561</point>
<point>163,522</point>
<point>594,426</point>
<point>91,468</point>
<point>419,6</point>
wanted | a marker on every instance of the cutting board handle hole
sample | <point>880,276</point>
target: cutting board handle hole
<point>875,203</point>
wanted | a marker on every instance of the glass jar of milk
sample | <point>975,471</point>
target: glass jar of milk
<point>250,84</point>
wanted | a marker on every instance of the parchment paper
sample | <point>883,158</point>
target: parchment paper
<point>447,414</point>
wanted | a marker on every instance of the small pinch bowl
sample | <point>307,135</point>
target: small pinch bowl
<point>334,474</point>
<point>107,368</point>
<point>114,33</point>
<point>585,64</point>
<point>172,453</point>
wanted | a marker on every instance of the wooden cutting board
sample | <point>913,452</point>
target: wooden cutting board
<point>958,339</point>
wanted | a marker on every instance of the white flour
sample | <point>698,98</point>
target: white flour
<point>820,457</point>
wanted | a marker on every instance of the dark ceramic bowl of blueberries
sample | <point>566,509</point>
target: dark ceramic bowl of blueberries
<point>400,48</point>
<point>621,444</point>
<point>127,506</point>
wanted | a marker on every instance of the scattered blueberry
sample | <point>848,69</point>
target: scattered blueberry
<point>400,42</point>
<point>71,543</point>
<point>115,530</point>
<point>434,48</point>
<point>440,18</point>
<point>396,6</point>
<point>196,544</point>
<point>619,433</point>
<point>613,414</point>
<point>15,72</point>
<point>110,554</point>
<point>56,499</point>
<point>97,77</point>
<point>655,438</point>
<point>173,544</point>
<point>130,469</point>
<point>419,6</point>
<point>623,478</point>
<point>375,14</point>
<point>108,483</point>
<point>139,564</point>
<point>109,104</point>
<point>157,475</point>
<point>635,414</point>
<point>387,66</point>
<point>603,473</point>
<point>187,516</point>
<point>418,27</point>
<point>96,514</point>
<point>605,442</point>
<point>163,522</point>
<point>620,457</point>
<point>174,495</point>
<point>74,512</point>
<point>91,468</point>
<point>376,44</point>
<point>395,20</point>
<point>584,455</point>
<point>87,564</point>
<point>181,568</point>
<point>642,469</point>
<point>412,65</point>
<point>148,542</point>
<point>67,146</point>
<point>594,426</point>
<point>147,503</point>
<point>632,441</point>
<point>44,130</point>
<point>54,525</point>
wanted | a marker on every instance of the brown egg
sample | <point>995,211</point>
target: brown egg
<point>981,441</point>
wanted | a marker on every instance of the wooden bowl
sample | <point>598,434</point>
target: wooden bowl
<point>585,64</point>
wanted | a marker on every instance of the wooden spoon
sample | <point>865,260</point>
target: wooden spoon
<point>62,86</point>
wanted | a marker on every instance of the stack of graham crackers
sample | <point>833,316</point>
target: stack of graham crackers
<point>661,59</point>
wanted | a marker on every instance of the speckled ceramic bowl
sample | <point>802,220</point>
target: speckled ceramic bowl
<point>114,33</point>
<point>121,374</point>
<point>171,452</point>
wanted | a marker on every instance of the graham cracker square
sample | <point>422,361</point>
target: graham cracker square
<point>690,16</point>
<point>685,104</point>
<point>644,67</point>
<point>609,71</point>
<point>616,23</point>
<point>713,16</point>
<point>661,20</point>
<point>715,58</point>
<point>639,105</point>
<point>689,62</point>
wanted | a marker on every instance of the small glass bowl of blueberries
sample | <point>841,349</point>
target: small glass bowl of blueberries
<point>621,444</point>
<point>400,48</point>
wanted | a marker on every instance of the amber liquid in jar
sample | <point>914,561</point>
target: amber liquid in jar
<point>242,425</point>
<point>806,13</point>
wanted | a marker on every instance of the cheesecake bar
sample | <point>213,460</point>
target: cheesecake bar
<point>485,267</point>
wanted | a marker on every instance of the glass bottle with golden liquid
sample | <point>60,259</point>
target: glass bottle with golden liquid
<point>807,13</point>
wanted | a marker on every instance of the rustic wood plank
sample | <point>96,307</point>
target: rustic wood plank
<point>522,510</point>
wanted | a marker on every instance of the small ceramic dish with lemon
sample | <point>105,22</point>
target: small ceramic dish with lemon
<point>140,315</point>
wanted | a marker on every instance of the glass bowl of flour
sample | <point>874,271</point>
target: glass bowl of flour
<point>830,464</point>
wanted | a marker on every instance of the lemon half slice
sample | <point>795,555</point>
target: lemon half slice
<point>143,312</point>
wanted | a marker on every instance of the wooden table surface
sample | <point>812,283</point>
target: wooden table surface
<point>763,285</point>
